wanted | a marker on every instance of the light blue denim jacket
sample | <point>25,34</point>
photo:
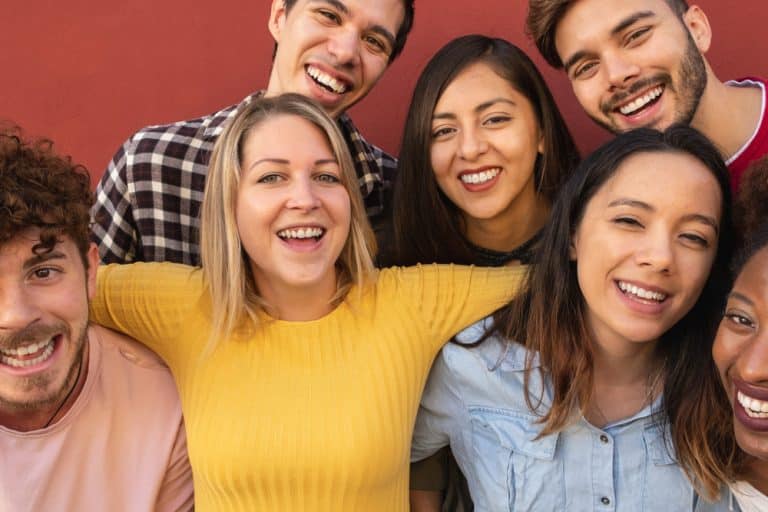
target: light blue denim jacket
<point>474,401</point>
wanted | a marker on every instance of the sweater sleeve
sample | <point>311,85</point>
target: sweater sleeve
<point>149,302</point>
<point>451,297</point>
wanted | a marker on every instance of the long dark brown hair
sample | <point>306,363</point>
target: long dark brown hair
<point>428,227</point>
<point>549,315</point>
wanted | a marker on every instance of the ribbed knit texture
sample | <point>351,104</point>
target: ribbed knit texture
<point>311,415</point>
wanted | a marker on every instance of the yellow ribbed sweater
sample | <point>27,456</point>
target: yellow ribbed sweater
<point>315,415</point>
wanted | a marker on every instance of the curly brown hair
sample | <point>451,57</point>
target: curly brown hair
<point>751,207</point>
<point>39,188</point>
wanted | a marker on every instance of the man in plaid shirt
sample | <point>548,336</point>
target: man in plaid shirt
<point>332,51</point>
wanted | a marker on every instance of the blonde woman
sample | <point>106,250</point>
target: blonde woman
<point>299,365</point>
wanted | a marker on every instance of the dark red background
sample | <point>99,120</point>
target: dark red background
<point>88,74</point>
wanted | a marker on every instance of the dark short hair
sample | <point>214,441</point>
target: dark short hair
<point>419,202</point>
<point>40,189</point>
<point>544,16</point>
<point>402,32</point>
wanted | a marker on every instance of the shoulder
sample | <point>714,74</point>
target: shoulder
<point>132,375</point>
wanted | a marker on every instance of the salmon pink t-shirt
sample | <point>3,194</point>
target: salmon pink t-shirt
<point>121,446</point>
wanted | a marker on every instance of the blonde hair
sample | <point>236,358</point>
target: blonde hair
<point>226,270</point>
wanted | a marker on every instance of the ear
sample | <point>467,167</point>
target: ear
<point>93,264</point>
<point>540,147</point>
<point>277,15</point>
<point>698,25</point>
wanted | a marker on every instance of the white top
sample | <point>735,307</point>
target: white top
<point>749,498</point>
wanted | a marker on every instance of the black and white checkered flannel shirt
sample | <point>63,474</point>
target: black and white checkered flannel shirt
<point>148,200</point>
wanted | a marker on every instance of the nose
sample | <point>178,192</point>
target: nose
<point>344,46</point>
<point>16,310</point>
<point>620,70</point>
<point>302,194</point>
<point>753,360</point>
<point>472,144</point>
<point>656,251</point>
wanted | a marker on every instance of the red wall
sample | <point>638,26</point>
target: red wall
<point>88,74</point>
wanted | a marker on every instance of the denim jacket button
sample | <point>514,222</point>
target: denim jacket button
<point>604,439</point>
<point>605,500</point>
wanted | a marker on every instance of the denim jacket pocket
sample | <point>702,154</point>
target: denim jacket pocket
<point>664,473</point>
<point>519,469</point>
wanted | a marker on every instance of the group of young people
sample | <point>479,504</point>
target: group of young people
<point>595,344</point>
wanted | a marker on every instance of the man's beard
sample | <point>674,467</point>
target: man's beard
<point>37,382</point>
<point>689,88</point>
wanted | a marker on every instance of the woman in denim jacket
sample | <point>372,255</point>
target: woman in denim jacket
<point>599,403</point>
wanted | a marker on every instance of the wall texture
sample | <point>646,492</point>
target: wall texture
<point>88,74</point>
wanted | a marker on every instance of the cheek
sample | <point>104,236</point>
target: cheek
<point>721,353</point>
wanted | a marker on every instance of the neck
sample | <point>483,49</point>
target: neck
<point>26,420</point>
<point>727,132</point>
<point>625,381</point>
<point>517,224</point>
<point>299,304</point>
<point>757,474</point>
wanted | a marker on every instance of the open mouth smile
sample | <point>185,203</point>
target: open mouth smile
<point>641,103</point>
<point>639,294</point>
<point>299,234</point>
<point>29,355</point>
<point>479,177</point>
<point>326,81</point>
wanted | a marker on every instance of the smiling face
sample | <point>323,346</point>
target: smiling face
<point>741,355</point>
<point>485,140</point>
<point>292,211</point>
<point>643,251</point>
<point>43,321</point>
<point>634,63</point>
<point>332,51</point>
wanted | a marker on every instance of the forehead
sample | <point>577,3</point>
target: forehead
<point>287,137</point>
<point>387,13</point>
<point>478,82</point>
<point>20,248</point>
<point>591,22</point>
<point>753,278</point>
<point>688,185</point>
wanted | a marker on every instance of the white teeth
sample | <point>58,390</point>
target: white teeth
<point>637,104</point>
<point>7,356</point>
<point>641,292</point>
<point>754,408</point>
<point>326,80</point>
<point>480,177</point>
<point>301,233</point>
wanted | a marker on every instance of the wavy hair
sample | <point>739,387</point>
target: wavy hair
<point>549,315</point>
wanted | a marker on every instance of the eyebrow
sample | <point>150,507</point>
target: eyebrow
<point>695,217</point>
<point>741,297</point>
<point>378,29</point>
<point>620,27</point>
<point>42,258</point>
<point>283,161</point>
<point>478,109</point>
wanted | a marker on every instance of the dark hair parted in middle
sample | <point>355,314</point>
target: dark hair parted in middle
<point>428,227</point>
<point>549,315</point>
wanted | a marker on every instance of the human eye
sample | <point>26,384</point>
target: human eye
<point>497,119</point>
<point>46,273</point>
<point>738,320</point>
<point>585,70</point>
<point>695,239</point>
<point>329,16</point>
<point>627,221</point>
<point>638,35</point>
<point>376,44</point>
<point>269,179</point>
<point>442,132</point>
<point>327,178</point>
